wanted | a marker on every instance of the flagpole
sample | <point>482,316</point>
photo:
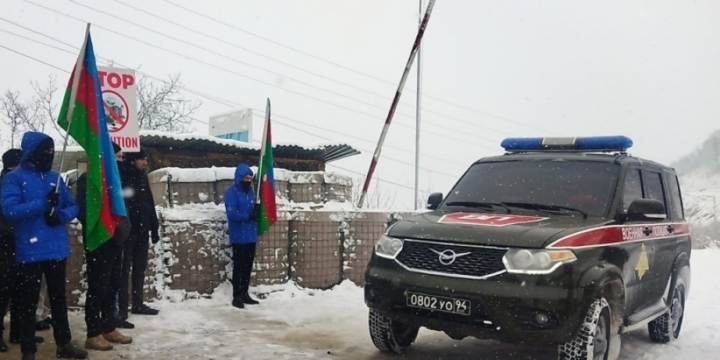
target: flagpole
<point>418,114</point>
<point>262,150</point>
<point>73,97</point>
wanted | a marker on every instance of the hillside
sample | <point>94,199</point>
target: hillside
<point>699,174</point>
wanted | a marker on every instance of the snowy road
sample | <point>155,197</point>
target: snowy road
<point>300,324</point>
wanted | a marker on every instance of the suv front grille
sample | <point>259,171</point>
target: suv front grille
<point>469,261</point>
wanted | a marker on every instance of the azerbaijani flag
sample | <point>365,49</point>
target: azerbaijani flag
<point>266,179</point>
<point>83,117</point>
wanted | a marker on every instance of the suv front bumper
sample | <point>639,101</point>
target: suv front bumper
<point>501,308</point>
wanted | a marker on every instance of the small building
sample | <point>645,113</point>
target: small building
<point>202,151</point>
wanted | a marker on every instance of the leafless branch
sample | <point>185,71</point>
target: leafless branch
<point>13,115</point>
<point>377,197</point>
<point>162,106</point>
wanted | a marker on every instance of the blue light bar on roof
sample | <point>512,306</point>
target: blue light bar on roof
<point>590,143</point>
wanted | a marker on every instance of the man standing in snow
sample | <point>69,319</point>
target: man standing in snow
<point>143,220</point>
<point>39,208</point>
<point>10,159</point>
<point>242,213</point>
<point>104,268</point>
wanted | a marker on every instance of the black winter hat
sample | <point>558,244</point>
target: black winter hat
<point>116,148</point>
<point>11,158</point>
<point>132,156</point>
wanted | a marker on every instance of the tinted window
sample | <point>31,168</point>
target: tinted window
<point>632,189</point>
<point>675,198</point>
<point>654,187</point>
<point>584,185</point>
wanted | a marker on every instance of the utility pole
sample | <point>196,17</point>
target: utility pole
<point>417,112</point>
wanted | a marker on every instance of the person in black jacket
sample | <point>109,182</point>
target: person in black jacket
<point>104,272</point>
<point>10,159</point>
<point>143,221</point>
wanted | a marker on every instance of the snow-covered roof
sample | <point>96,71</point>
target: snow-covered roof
<point>324,152</point>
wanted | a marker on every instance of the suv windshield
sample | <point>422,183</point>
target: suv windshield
<point>585,186</point>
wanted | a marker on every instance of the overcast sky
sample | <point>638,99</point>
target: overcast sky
<point>491,69</point>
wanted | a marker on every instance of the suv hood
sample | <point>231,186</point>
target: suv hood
<point>484,228</point>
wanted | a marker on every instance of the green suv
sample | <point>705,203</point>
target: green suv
<point>562,242</point>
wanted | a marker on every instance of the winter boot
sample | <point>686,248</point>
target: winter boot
<point>28,356</point>
<point>69,351</point>
<point>41,326</point>
<point>143,309</point>
<point>117,338</point>
<point>238,303</point>
<point>124,324</point>
<point>248,300</point>
<point>3,345</point>
<point>98,343</point>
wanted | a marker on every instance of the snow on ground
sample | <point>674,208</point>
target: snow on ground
<point>293,323</point>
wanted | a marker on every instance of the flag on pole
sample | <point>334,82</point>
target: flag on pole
<point>83,117</point>
<point>266,179</point>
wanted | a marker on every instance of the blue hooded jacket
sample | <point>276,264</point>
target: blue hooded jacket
<point>24,203</point>
<point>239,206</point>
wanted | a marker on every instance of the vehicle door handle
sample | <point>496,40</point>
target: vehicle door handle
<point>647,231</point>
<point>670,229</point>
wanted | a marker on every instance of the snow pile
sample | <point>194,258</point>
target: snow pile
<point>212,174</point>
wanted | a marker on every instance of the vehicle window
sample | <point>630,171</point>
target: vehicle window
<point>584,185</point>
<point>675,197</point>
<point>654,187</point>
<point>632,189</point>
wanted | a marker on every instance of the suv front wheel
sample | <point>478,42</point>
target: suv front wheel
<point>389,335</point>
<point>593,339</point>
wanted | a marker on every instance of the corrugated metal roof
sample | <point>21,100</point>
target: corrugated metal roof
<point>326,153</point>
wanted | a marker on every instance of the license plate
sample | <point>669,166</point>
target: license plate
<point>438,303</point>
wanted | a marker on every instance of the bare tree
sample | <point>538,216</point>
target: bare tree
<point>377,197</point>
<point>44,102</point>
<point>14,113</point>
<point>162,106</point>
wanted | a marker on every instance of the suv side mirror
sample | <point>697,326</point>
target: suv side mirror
<point>646,209</point>
<point>434,201</point>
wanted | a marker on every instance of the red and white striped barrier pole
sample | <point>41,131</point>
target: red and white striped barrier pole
<point>396,100</point>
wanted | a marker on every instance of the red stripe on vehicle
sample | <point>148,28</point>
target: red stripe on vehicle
<point>619,234</point>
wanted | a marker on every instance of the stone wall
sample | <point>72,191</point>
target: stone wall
<point>315,249</point>
<point>309,245</point>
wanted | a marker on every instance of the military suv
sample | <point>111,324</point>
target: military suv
<point>560,242</point>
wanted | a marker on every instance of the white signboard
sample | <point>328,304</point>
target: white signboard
<point>235,124</point>
<point>119,92</point>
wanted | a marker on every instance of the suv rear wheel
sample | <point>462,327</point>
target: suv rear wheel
<point>593,339</point>
<point>667,327</point>
<point>389,335</point>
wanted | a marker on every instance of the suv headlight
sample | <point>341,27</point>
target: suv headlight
<point>536,262</point>
<point>388,247</point>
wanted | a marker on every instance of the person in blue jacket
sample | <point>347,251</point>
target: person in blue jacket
<point>242,213</point>
<point>39,210</point>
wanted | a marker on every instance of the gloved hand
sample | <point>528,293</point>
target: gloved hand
<point>255,213</point>
<point>53,198</point>
<point>52,220</point>
<point>155,237</point>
